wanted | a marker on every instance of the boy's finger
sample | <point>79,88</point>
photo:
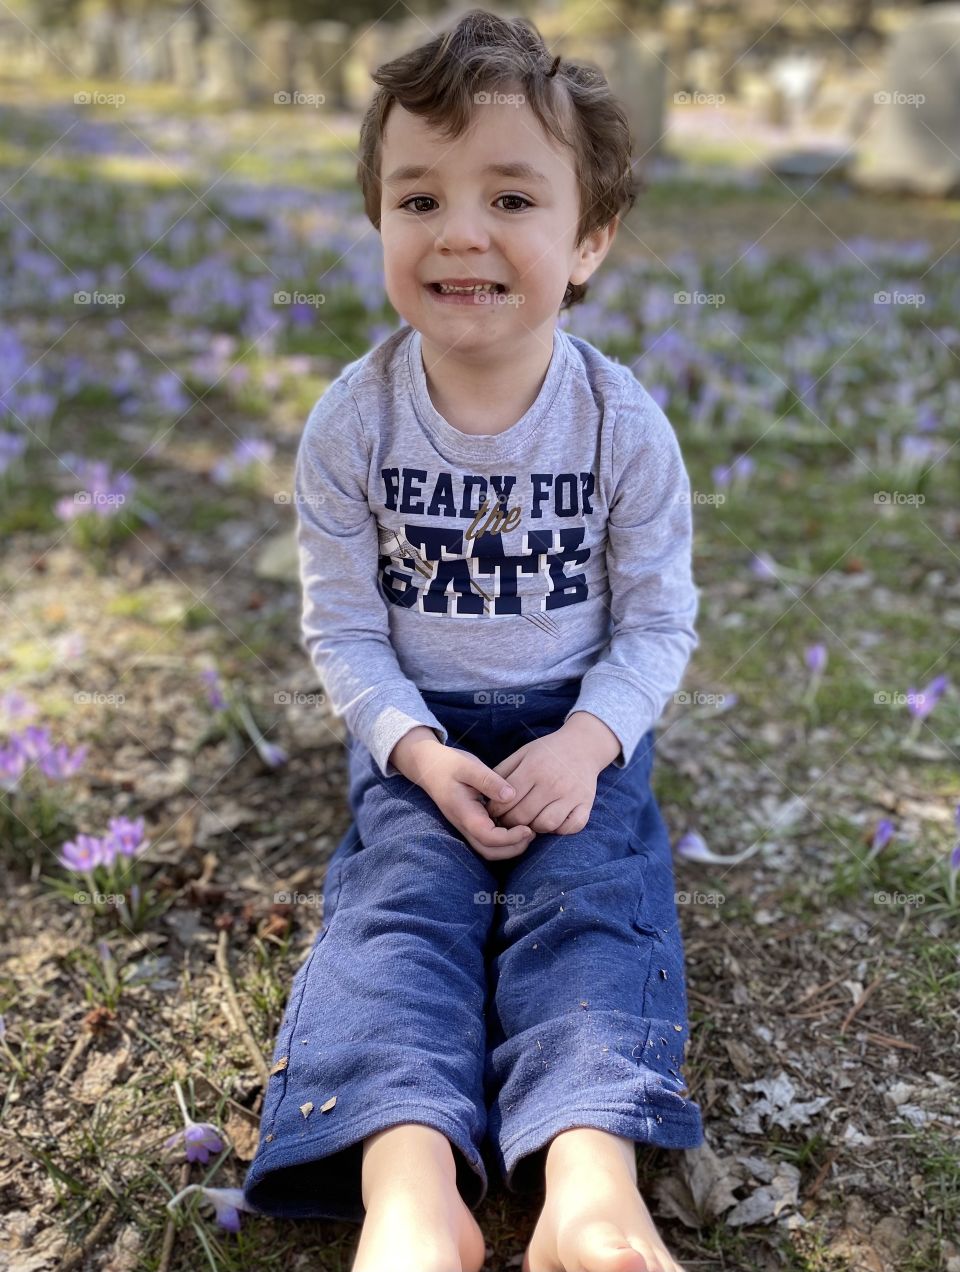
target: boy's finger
<point>478,824</point>
<point>485,781</point>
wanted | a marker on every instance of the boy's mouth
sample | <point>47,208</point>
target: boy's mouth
<point>466,287</point>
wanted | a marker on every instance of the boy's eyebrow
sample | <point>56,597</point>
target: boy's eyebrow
<point>522,171</point>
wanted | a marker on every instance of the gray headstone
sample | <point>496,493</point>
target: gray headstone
<point>275,44</point>
<point>637,71</point>
<point>913,143</point>
<point>184,48</point>
<point>226,67</point>
<point>326,46</point>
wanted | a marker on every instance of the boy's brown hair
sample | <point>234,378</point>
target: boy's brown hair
<point>485,52</point>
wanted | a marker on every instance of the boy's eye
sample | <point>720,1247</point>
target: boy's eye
<point>428,198</point>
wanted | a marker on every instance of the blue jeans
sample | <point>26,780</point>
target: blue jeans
<point>498,1002</point>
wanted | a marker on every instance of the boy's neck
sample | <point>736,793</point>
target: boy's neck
<point>480,396</point>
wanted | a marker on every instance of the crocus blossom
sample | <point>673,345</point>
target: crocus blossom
<point>227,1204</point>
<point>921,702</point>
<point>816,658</point>
<point>693,847</point>
<point>200,1141</point>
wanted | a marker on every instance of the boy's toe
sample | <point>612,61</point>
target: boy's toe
<point>602,1247</point>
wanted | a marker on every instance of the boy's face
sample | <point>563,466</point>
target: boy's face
<point>463,221</point>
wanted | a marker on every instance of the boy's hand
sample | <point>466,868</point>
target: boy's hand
<point>459,784</point>
<point>556,777</point>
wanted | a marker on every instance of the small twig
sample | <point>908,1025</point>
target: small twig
<point>821,1174</point>
<point>170,1232</point>
<point>233,1012</point>
<point>703,998</point>
<point>886,1041</point>
<point>91,1241</point>
<point>817,1012</point>
<point>819,989</point>
<point>79,1047</point>
<point>859,1003</point>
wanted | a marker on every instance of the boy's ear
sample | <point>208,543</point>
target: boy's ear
<point>593,249</point>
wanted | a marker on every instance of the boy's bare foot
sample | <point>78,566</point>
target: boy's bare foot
<point>416,1220</point>
<point>593,1217</point>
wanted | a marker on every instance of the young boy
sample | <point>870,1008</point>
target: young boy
<point>495,536</point>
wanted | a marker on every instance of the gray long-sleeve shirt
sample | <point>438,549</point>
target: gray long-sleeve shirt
<point>435,559</point>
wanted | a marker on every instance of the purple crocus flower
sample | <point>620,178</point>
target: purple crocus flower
<point>14,706</point>
<point>227,1204</point>
<point>60,762</point>
<point>247,452</point>
<point>816,657</point>
<point>12,446</point>
<point>921,703</point>
<point>200,1141</point>
<point>35,746</point>
<point>126,836</point>
<point>271,754</point>
<point>955,858</point>
<point>83,853</point>
<point>882,835</point>
<point>104,493</point>
<point>12,765</point>
<point>764,566</point>
<point>211,677</point>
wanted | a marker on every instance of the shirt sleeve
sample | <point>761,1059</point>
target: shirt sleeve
<point>345,624</point>
<point>653,600</point>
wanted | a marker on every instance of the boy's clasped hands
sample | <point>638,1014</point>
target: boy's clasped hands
<point>546,786</point>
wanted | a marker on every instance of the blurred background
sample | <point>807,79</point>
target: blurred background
<point>184,266</point>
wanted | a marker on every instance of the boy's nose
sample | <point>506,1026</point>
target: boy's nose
<point>461,229</point>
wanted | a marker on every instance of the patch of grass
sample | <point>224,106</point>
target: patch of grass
<point>931,976</point>
<point>129,605</point>
<point>198,614</point>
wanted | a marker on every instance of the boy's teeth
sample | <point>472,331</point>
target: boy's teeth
<point>444,287</point>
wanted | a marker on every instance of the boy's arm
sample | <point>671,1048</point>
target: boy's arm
<point>653,600</point>
<point>345,628</point>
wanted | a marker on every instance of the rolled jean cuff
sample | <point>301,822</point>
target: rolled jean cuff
<point>680,1128</point>
<point>278,1183</point>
